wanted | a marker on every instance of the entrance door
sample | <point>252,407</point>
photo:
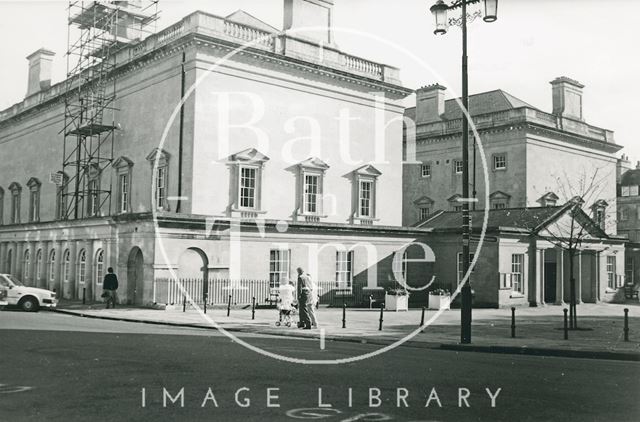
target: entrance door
<point>549,282</point>
<point>135,277</point>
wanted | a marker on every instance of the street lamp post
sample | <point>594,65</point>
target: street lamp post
<point>439,10</point>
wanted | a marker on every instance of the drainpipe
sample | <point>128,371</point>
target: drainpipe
<point>181,130</point>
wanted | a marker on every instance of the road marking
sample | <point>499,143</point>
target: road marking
<point>6,389</point>
<point>322,339</point>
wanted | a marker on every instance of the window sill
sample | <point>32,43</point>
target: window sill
<point>516,295</point>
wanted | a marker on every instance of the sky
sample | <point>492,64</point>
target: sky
<point>531,43</point>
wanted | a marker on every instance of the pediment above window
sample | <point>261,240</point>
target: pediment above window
<point>15,187</point>
<point>454,198</point>
<point>423,200</point>
<point>548,197</point>
<point>34,183</point>
<point>123,162</point>
<point>499,195</point>
<point>158,154</point>
<point>600,203</point>
<point>367,170</point>
<point>313,163</point>
<point>250,156</point>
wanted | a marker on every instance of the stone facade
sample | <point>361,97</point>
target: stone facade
<point>528,153</point>
<point>275,90</point>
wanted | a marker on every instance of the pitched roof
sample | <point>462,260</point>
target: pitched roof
<point>630,178</point>
<point>484,102</point>
<point>532,220</point>
<point>517,218</point>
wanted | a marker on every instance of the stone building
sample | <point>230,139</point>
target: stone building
<point>525,256</point>
<point>246,179</point>
<point>629,216</point>
<point>534,158</point>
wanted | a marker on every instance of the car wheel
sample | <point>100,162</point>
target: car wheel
<point>29,304</point>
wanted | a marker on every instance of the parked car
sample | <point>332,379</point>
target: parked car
<point>14,293</point>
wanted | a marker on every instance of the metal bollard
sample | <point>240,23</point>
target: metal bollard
<point>253,307</point>
<point>422,317</point>
<point>229,306</point>
<point>566,326</point>
<point>513,322</point>
<point>344,315</point>
<point>184,303</point>
<point>381,315</point>
<point>84,295</point>
<point>205,307</point>
<point>626,324</point>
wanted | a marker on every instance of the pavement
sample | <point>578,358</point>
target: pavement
<point>539,331</point>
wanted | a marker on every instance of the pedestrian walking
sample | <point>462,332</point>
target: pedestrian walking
<point>305,300</point>
<point>313,315</point>
<point>110,285</point>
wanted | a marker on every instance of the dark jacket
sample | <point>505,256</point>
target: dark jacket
<point>110,282</point>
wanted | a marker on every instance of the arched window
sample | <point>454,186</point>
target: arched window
<point>39,265</point>
<point>16,192</point>
<point>26,265</point>
<point>52,265</point>
<point>99,266</point>
<point>34,199</point>
<point>82,266</point>
<point>66,265</point>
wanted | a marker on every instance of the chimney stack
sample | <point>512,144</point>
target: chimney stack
<point>39,71</point>
<point>309,13</point>
<point>567,97</point>
<point>429,104</point>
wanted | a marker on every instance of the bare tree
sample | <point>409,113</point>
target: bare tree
<point>573,225</point>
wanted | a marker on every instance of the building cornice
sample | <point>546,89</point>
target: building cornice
<point>207,29</point>
<point>570,130</point>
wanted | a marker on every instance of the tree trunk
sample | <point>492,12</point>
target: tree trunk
<point>573,317</point>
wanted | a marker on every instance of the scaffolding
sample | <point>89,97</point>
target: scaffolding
<point>97,31</point>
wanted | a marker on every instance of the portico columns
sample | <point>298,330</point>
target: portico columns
<point>578,277</point>
<point>540,275</point>
<point>559,276</point>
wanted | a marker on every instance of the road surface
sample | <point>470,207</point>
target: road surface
<point>58,367</point>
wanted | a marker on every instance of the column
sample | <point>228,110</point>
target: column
<point>3,254</point>
<point>13,265</point>
<point>89,281</point>
<point>32,264</point>
<point>540,275</point>
<point>18,259</point>
<point>57,269</point>
<point>559,276</point>
<point>73,269</point>
<point>578,275</point>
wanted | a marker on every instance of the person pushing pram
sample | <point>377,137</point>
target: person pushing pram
<point>285,303</point>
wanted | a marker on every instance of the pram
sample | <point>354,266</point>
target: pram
<point>285,314</point>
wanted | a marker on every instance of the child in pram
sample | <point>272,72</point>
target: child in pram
<point>285,304</point>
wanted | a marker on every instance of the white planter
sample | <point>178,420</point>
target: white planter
<point>396,302</point>
<point>439,301</point>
